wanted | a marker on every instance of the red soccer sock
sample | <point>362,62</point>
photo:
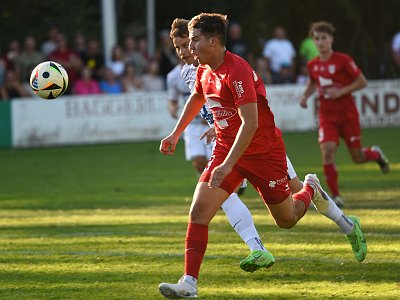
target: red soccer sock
<point>331,176</point>
<point>371,155</point>
<point>195,247</point>
<point>304,195</point>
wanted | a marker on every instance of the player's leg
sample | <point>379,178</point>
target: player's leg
<point>328,138</point>
<point>194,147</point>
<point>242,222</point>
<point>294,182</point>
<point>351,133</point>
<point>350,225</point>
<point>205,205</point>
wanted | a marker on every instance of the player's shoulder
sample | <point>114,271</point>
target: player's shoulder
<point>341,56</point>
<point>187,70</point>
<point>234,61</point>
<point>313,61</point>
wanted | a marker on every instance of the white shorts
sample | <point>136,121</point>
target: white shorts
<point>193,145</point>
<point>291,172</point>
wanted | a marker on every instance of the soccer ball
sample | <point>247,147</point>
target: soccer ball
<point>49,80</point>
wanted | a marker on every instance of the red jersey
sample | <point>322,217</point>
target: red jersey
<point>233,84</point>
<point>338,71</point>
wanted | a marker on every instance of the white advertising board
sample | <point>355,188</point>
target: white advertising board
<point>94,119</point>
<point>144,116</point>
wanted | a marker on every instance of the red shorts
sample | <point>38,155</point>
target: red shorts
<point>266,172</point>
<point>348,129</point>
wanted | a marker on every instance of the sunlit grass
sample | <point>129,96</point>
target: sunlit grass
<point>109,222</point>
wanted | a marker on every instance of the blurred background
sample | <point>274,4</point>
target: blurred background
<point>364,29</point>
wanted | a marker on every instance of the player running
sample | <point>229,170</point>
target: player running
<point>336,76</point>
<point>248,145</point>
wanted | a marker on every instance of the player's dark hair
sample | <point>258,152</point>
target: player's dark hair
<point>179,28</point>
<point>211,25</point>
<point>321,26</point>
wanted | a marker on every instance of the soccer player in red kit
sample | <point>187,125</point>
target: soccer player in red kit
<point>335,75</point>
<point>248,145</point>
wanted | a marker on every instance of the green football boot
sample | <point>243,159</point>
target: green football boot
<point>357,240</point>
<point>257,259</point>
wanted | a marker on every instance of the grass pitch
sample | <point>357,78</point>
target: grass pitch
<point>109,222</point>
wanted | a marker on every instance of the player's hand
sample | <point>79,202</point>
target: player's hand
<point>303,102</point>
<point>209,135</point>
<point>332,93</point>
<point>218,175</point>
<point>168,144</point>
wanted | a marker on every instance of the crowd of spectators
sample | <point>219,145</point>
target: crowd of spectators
<point>131,69</point>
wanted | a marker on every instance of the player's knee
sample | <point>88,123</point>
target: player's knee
<point>357,159</point>
<point>286,223</point>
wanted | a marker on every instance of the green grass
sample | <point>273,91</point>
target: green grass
<point>109,222</point>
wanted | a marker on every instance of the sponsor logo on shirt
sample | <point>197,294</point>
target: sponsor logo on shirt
<point>255,76</point>
<point>223,113</point>
<point>238,85</point>
<point>283,181</point>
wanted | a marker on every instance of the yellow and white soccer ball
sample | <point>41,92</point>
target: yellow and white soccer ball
<point>49,80</point>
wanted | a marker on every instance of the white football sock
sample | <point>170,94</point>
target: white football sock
<point>241,220</point>
<point>336,215</point>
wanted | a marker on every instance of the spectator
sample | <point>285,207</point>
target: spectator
<point>68,58</point>
<point>80,44</point>
<point>130,81</point>
<point>86,85</point>
<point>12,87</point>
<point>116,64</point>
<point>28,59</point>
<point>152,81</point>
<point>280,55</point>
<point>234,42</point>
<point>50,45</point>
<point>11,54</point>
<point>133,56</point>
<point>110,83</point>
<point>166,55</point>
<point>142,49</point>
<point>307,50</point>
<point>262,70</point>
<point>396,49</point>
<point>2,71</point>
<point>93,59</point>
<point>302,78</point>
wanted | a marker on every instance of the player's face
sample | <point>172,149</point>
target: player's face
<point>323,41</point>
<point>182,49</point>
<point>199,45</point>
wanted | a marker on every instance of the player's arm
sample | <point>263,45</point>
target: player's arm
<point>173,107</point>
<point>359,83</point>
<point>249,115</point>
<point>308,91</point>
<point>190,110</point>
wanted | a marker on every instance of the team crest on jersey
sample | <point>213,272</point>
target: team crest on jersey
<point>331,69</point>
<point>238,85</point>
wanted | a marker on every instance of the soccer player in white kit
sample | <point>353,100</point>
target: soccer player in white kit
<point>196,150</point>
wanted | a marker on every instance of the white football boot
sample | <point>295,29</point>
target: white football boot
<point>182,289</point>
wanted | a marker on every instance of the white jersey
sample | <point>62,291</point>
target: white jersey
<point>188,74</point>
<point>176,87</point>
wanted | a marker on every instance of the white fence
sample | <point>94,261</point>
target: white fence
<point>144,116</point>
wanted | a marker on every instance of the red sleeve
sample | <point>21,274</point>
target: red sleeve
<point>242,83</point>
<point>350,66</point>
<point>197,85</point>
<point>309,70</point>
